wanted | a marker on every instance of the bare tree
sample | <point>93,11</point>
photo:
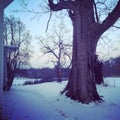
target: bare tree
<point>87,29</point>
<point>58,44</point>
<point>15,37</point>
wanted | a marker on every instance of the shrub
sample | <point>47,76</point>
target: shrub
<point>28,83</point>
<point>37,81</point>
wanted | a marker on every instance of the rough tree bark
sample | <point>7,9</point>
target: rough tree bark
<point>98,66</point>
<point>11,72</point>
<point>86,33</point>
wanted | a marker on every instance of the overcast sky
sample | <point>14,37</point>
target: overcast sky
<point>36,24</point>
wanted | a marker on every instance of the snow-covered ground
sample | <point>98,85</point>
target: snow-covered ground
<point>44,102</point>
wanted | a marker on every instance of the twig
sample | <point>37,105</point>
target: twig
<point>49,20</point>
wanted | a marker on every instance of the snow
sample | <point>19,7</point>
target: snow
<point>44,102</point>
<point>21,80</point>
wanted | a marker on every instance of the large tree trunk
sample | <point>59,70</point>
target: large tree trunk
<point>81,85</point>
<point>11,72</point>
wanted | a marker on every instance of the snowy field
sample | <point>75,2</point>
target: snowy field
<point>44,102</point>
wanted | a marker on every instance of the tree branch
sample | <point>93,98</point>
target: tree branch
<point>61,5</point>
<point>5,3</point>
<point>49,21</point>
<point>96,14</point>
<point>111,19</point>
<point>118,27</point>
<point>49,50</point>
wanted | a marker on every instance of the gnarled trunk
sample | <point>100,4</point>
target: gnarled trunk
<point>81,85</point>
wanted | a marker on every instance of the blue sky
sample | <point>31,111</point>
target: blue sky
<point>37,26</point>
<point>32,23</point>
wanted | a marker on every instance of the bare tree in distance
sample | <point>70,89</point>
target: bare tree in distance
<point>87,29</point>
<point>17,36</point>
<point>58,44</point>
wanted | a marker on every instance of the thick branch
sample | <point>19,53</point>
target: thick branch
<point>5,3</point>
<point>49,50</point>
<point>61,5</point>
<point>111,19</point>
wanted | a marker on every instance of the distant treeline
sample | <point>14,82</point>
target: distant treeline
<point>44,73</point>
<point>110,68</point>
